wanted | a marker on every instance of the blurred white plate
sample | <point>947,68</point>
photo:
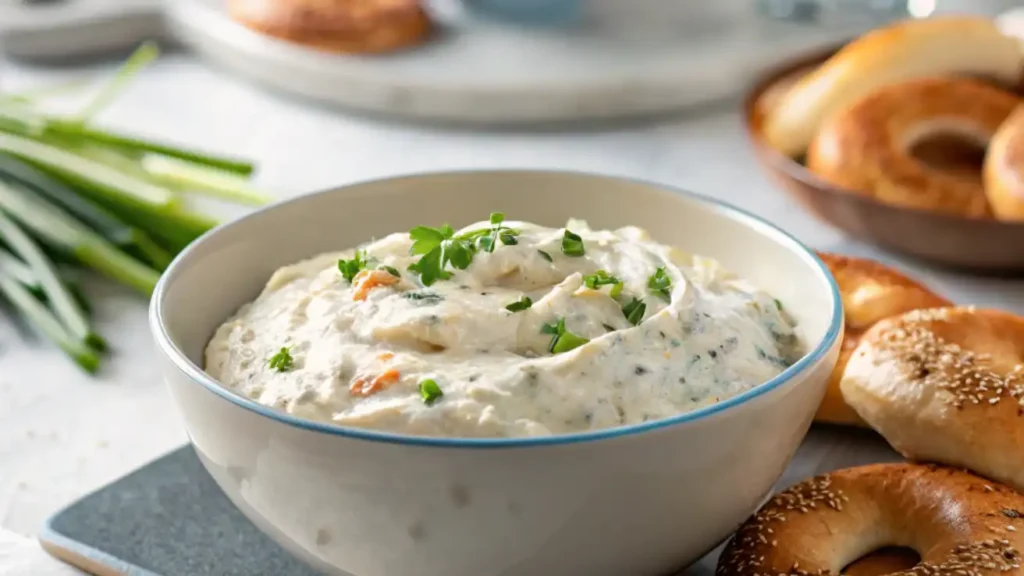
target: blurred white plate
<point>635,58</point>
<point>652,58</point>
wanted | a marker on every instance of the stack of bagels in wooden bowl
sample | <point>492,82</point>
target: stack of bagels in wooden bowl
<point>944,385</point>
<point>861,135</point>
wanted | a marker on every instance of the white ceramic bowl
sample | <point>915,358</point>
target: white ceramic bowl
<point>639,500</point>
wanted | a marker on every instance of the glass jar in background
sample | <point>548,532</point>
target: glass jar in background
<point>849,12</point>
<point>836,13</point>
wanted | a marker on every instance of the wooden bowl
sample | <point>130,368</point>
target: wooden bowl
<point>977,245</point>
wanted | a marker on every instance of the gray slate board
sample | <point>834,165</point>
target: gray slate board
<point>170,519</point>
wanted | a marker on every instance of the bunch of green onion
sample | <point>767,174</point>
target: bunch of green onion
<point>73,196</point>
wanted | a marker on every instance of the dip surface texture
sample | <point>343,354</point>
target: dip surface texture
<point>614,329</point>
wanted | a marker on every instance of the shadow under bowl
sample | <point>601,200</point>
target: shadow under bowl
<point>982,246</point>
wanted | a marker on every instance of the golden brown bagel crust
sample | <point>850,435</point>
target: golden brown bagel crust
<point>865,148</point>
<point>871,292</point>
<point>356,26</point>
<point>945,385</point>
<point>900,52</point>
<point>959,523</point>
<point>1004,169</point>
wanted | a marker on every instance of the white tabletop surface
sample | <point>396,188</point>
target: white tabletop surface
<point>63,434</point>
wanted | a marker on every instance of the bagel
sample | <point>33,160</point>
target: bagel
<point>908,50</point>
<point>355,26</point>
<point>959,523</point>
<point>1003,171</point>
<point>870,292</point>
<point>945,385</point>
<point>865,148</point>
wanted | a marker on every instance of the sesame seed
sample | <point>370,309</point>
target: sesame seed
<point>745,555</point>
<point>967,377</point>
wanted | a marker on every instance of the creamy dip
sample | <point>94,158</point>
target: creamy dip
<point>551,331</point>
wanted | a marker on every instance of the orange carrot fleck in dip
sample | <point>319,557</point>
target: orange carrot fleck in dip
<point>363,387</point>
<point>368,280</point>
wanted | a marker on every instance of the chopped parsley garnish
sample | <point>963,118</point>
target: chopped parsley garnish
<point>572,244</point>
<point>544,255</point>
<point>349,268</point>
<point>390,270</point>
<point>523,303</point>
<point>660,284</point>
<point>490,237</point>
<point>430,391</point>
<point>282,361</point>
<point>601,278</point>
<point>562,340</point>
<point>634,311</point>
<point>778,304</point>
<point>440,247</point>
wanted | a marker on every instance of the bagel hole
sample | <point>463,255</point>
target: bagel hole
<point>883,561</point>
<point>957,153</point>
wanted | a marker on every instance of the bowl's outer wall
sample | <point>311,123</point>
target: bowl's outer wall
<point>638,504</point>
<point>984,245</point>
<point>645,504</point>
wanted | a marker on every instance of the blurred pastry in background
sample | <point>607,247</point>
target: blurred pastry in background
<point>343,26</point>
<point>908,50</point>
<point>868,147</point>
<point>1004,169</point>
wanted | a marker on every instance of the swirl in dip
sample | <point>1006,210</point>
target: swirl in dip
<point>502,329</point>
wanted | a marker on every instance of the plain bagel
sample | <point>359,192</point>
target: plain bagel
<point>867,147</point>
<point>939,46</point>
<point>871,292</point>
<point>945,385</point>
<point>1003,172</point>
<point>959,523</point>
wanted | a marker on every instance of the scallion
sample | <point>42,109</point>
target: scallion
<point>103,222</point>
<point>430,391</point>
<point>37,313</point>
<point>13,266</point>
<point>139,59</point>
<point>572,244</point>
<point>562,340</point>
<point>59,298</point>
<point>55,226</point>
<point>87,173</point>
<point>189,177</point>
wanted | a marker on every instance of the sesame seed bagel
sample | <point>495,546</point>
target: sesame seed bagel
<point>959,523</point>
<point>354,26</point>
<point>1003,171</point>
<point>907,50</point>
<point>871,292</point>
<point>945,385</point>
<point>867,147</point>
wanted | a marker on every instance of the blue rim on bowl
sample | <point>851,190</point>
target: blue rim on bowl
<point>197,374</point>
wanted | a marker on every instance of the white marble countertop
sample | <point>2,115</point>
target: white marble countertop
<point>63,434</point>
